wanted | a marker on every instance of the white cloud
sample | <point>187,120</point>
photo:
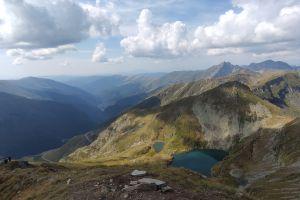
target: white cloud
<point>251,26</point>
<point>167,40</point>
<point>33,26</point>
<point>20,55</point>
<point>30,26</point>
<point>224,51</point>
<point>99,53</point>
<point>272,54</point>
<point>99,56</point>
<point>116,60</point>
<point>258,23</point>
<point>104,19</point>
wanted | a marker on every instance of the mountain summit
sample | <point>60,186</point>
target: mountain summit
<point>270,65</point>
<point>225,69</point>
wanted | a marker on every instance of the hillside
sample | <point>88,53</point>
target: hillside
<point>110,89</point>
<point>266,164</point>
<point>270,65</point>
<point>192,122</point>
<point>283,91</point>
<point>57,182</point>
<point>182,90</point>
<point>46,89</point>
<point>30,126</point>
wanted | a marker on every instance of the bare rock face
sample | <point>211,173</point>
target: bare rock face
<point>220,127</point>
<point>268,163</point>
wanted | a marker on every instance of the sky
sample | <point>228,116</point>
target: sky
<point>82,37</point>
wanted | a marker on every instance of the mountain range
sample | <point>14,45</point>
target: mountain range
<point>251,112</point>
<point>103,98</point>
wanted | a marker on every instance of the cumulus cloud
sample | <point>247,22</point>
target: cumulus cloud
<point>167,40</point>
<point>99,55</point>
<point>20,55</point>
<point>46,24</point>
<point>103,18</point>
<point>252,23</point>
<point>29,25</point>
<point>258,23</point>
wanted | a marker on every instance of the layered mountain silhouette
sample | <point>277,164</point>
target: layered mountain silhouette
<point>29,126</point>
<point>251,112</point>
<point>270,65</point>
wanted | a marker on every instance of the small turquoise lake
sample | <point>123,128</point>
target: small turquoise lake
<point>199,160</point>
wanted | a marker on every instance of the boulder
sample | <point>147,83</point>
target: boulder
<point>145,187</point>
<point>69,181</point>
<point>158,183</point>
<point>133,182</point>
<point>138,173</point>
<point>166,189</point>
<point>236,173</point>
<point>130,188</point>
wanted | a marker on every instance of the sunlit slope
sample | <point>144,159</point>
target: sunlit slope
<point>210,120</point>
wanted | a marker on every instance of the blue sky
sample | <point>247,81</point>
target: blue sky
<point>68,37</point>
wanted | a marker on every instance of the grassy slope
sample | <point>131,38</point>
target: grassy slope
<point>269,161</point>
<point>49,181</point>
<point>131,136</point>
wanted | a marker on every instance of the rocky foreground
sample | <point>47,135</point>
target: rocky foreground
<point>52,181</point>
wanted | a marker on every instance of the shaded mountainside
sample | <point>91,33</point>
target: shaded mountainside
<point>210,120</point>
<point>111,89</point>
<point>46,89</point>
<point>54,155</point>
<point>267,163</point>
<point>78,141</point>
<point>30,126</point>
<point>283,91</point>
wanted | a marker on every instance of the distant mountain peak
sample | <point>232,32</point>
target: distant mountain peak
<point>225,69</point>
<point>226,64</point>
<point>270,65</point>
